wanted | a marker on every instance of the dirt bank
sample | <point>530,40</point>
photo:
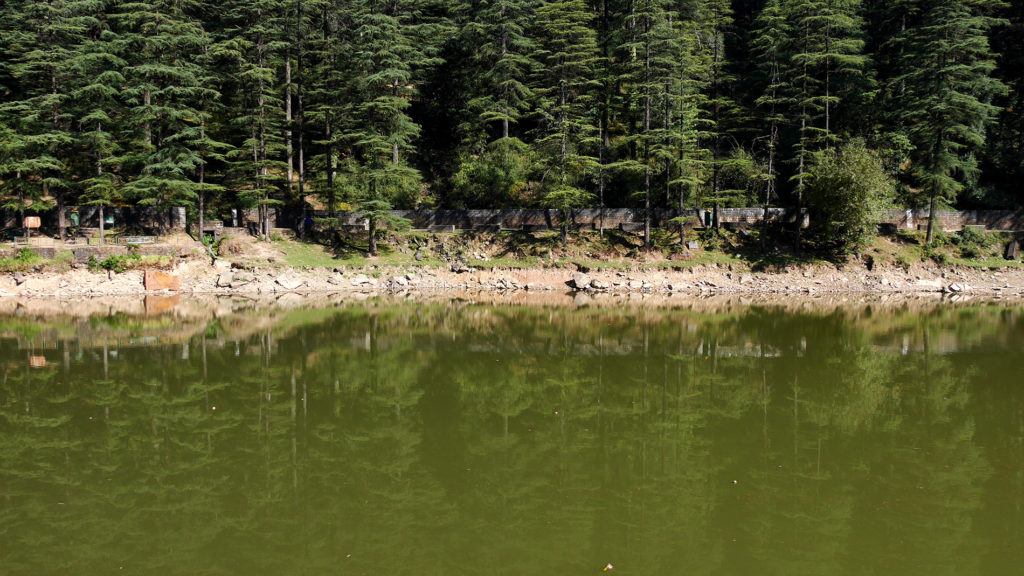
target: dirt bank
<point>200,277</point>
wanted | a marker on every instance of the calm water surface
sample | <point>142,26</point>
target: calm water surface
<point>388,437</point>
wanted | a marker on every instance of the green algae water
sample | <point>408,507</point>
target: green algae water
<point>452,437</point>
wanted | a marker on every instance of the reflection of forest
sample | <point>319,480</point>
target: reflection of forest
<point>459,438</point>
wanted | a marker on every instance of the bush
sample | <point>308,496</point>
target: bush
<point>20,261</point>
<point>846,190</point>
<point>120,263</point>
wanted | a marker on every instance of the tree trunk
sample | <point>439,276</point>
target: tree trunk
<point>769,186</point>
<point>373,236</point>
<point>62,226</point>
<point>289,155</point>
<point>931,218</point>
<point>202,179</point>
<point>329,152</point>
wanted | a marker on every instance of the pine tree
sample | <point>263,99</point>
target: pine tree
<point>494,164</point>
<point>98,115</point>
<point>388,45</point>
<point>652,75</point>
<point>503,61</point>
<point>567,50</point>
<point>164,97</point>
<point>767,47</point>
<point>252,42</point>
<point>716,21</point>
<point>826,45</point>
<point>947,89</point>
<point>38,135</point>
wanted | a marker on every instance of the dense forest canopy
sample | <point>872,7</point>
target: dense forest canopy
<point>337,104</point>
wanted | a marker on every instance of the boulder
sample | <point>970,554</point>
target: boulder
<point>289,282</point>
<point>692,245</point>
<point>1012,250</point>
<point>155,280</point>
<point>399,281</point>
<point>459,267</point>
<point>19,278</point>
<point>635,285</point>
<point>580,281</point>
<point>600,284</point>
<point>225,280</point>
<point>929,285</point>
<point>363,280</point>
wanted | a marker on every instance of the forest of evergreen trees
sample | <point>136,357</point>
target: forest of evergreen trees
<point>373,104</point>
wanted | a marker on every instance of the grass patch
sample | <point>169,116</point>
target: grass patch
<point>21,261</point>
<point>128,261</point>
<point>303,254</point>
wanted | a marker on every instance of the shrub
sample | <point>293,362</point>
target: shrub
<point>20,261</point>
<point>846,190</point>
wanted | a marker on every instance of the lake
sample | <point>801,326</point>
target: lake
<point>453,436</point>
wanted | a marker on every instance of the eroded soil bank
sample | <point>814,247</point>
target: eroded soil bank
<point>199,276</point>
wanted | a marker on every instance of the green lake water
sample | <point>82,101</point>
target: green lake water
<point>395,437</point>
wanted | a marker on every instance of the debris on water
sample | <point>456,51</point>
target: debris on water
<point>609,567</point>
<point>735,481</point>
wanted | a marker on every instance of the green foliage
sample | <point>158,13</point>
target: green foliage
<point>498,177</point>
<point>845,191</point>
<point>119,263</point>
<point>660,103</point>
<point>24,259</point>
<point>972,243</point>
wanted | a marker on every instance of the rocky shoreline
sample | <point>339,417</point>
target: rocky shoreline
<point>199,277</point>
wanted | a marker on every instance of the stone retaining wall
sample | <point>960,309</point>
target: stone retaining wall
<point>952,221</point>
<point>541,219</point>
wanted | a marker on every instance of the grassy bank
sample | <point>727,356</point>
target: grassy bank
<point>616,250</point>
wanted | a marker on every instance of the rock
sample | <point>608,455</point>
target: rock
<point>363,280</point>
<point>419,256</point>
<point>459,267</point>
<point>19,278</point>
<point>289,282</point>
<point>335,280</point>
<point>580,281</point>
<point>600,284</point>
<point>956,288</point>
<point>225,280</point>
<point>692,245</point>
<point>398,281</point>
<point>157,280</point>
<point>746,279</point>
<point>929,285</point>
<point>110,274</point>
<point>1012,250</point>
<point>635,285</point>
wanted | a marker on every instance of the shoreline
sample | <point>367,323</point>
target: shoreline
<point>197,277</point>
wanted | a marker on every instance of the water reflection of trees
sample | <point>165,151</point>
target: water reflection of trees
<point>504,441</point>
